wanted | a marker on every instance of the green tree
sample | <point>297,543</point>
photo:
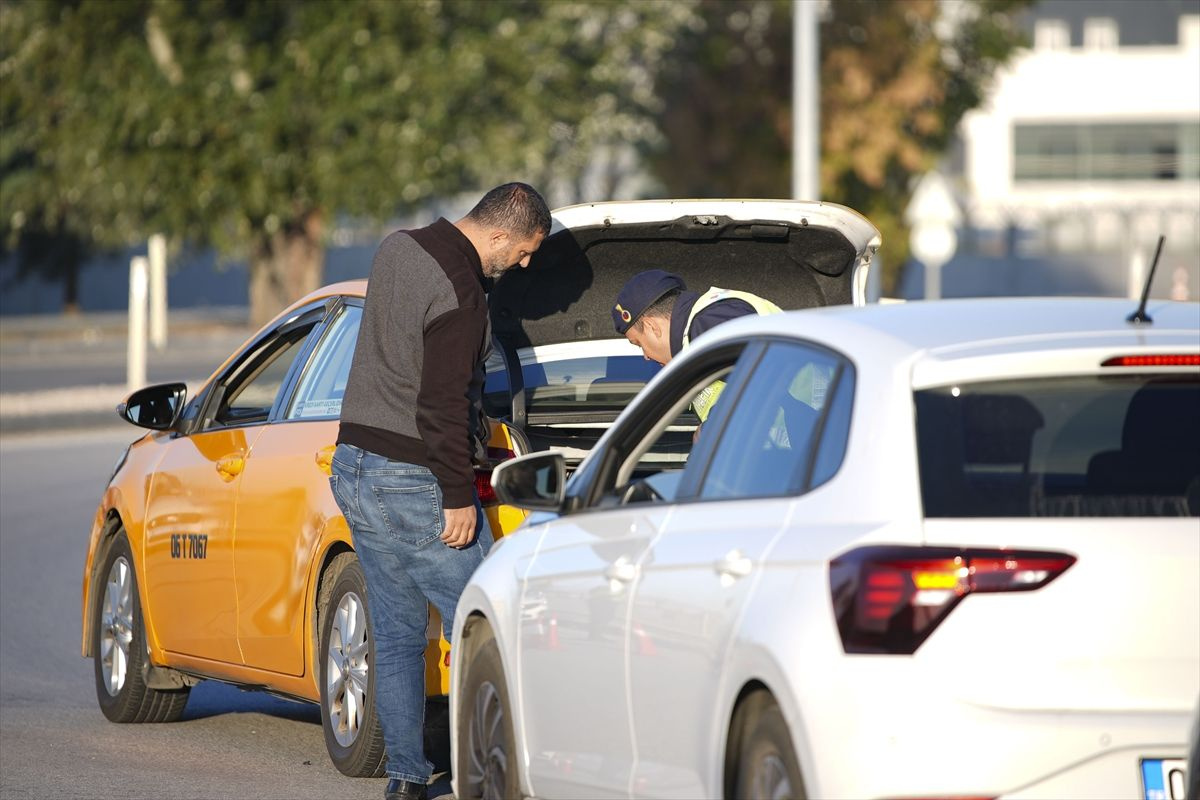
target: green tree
<point>896,78</point>
<point>252,124</point>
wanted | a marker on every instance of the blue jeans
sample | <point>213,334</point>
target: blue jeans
<point>395,515</point>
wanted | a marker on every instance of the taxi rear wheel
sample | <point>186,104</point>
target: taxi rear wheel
<point>488,765</point>
<point>353,736</point>
<point>120,655</point>
<point>765,765</point>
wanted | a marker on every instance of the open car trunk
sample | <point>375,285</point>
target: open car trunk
<point>554,318</point>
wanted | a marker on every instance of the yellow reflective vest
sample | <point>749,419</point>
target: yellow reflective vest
<point>708,396</point>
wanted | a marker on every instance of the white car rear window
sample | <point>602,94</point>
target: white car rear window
<point>1083,446</point>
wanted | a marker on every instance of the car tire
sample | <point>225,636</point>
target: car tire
<point>488,765</point>
<point>353,735</point>
<point>765,765</point>
<point>119,652</point>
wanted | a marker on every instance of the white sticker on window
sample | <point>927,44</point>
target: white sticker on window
<point>319,408</point>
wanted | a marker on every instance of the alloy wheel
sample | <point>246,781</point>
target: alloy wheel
<point>116,626</point>
<point>770,779</point>
<point>488,766</point>
<point>349,657</point>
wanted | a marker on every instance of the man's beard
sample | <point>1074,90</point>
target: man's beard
<point>495,267</point>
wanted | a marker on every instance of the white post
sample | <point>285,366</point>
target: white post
<point>1137,274</point>
<point>158,291</point>
<point>806,129</point>
<point>1179,285</point>
<point>135,371</point>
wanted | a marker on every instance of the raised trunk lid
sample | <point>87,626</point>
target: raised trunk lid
<point>796,254</point>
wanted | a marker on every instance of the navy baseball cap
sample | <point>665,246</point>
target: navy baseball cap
<point>642,291</point>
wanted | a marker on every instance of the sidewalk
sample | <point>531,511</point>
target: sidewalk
<point>69,371</point>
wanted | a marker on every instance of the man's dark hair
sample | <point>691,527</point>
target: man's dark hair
<point>662,307</point>
<point>513,207</point>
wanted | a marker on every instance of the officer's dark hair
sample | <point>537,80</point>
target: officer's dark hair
<point>662,307</point>
<point>513,207</point>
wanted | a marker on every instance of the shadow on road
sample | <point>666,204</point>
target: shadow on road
<point>213,698</point>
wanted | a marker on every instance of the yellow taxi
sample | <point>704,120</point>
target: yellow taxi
<point>217,550</point>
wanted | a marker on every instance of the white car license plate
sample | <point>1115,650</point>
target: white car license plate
<point>1163,778</point>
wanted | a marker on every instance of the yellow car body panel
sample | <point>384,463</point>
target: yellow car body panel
<point>230,530</point>
<point>284,497</point>
<point>187,557</point>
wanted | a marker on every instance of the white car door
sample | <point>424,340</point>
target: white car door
<point>700,572</point>
<point>573,643</point>
<point>572,651</point>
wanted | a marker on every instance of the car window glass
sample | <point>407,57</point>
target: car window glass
<point>765,445</point>
<point>324,382</point>
<point>837,428</point>
<point>1072,446</point>
<point>249,392</point>
<point>573,384</point>
<point>664,459</point>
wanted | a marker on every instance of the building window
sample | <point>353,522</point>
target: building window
<point>1051,34</point>
<point>1100,33</point>
<point>1107,152</point>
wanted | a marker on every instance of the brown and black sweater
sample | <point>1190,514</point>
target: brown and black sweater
<point>414,385</point>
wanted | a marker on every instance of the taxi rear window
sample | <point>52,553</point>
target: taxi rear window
<point>571,385</point>
<point>1082,446</point>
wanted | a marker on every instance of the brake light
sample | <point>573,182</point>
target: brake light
<point>483,476</point>
<point>483,486</point>
<point>888,599</point>
<point>1172,360</point>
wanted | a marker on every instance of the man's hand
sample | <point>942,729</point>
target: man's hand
<point>460,526</point>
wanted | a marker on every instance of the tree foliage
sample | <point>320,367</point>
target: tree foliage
<point>252,124</point>
<point>896,77</point>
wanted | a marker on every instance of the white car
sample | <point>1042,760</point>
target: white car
<point>923,550</point>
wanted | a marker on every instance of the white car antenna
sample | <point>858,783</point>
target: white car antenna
<point>1138,317</point>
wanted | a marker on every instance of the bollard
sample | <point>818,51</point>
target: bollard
<point>158,291</point>
<point>135,370</point>
<point>1137,274</point>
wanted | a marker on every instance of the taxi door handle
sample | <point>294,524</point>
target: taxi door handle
<point>324,459</point>
<point>734,565</point>
<point>230,467</point>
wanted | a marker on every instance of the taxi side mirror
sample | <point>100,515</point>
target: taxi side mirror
<point>155,407</point>
<point>536,481</point>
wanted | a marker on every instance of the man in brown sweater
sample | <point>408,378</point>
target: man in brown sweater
<point>402,471</point>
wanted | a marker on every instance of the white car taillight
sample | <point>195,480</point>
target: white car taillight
<point>888,599</point>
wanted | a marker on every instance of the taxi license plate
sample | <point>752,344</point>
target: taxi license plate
<point>1163,778</point>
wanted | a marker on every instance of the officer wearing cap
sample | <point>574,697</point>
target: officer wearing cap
<point>656,312</point>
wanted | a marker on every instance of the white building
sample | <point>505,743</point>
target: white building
<point>1088,146</point>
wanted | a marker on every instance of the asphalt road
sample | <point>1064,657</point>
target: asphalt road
<point>54,742</point>
<point>49,364</point>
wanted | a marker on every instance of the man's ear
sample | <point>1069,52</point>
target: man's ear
<point>498,238</point>
<point>657,325</point>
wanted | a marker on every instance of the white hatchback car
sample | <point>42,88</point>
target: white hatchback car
<point>920,550</point>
